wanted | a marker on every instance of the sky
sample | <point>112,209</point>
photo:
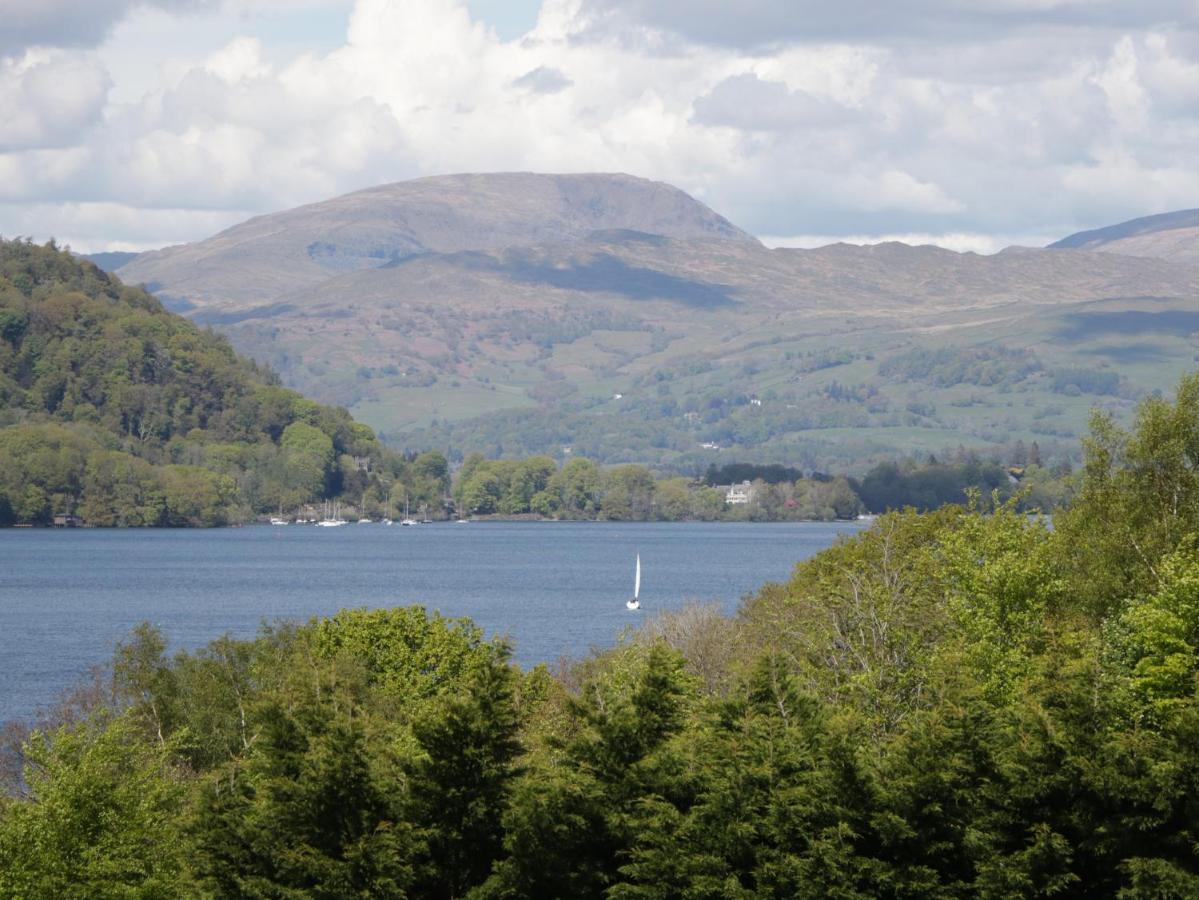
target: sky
<point>132,124</point>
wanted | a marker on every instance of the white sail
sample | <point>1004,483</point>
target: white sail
<point>635,603</point>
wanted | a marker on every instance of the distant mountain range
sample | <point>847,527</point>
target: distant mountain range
<point>623,319</point>
<point>1173,235</point>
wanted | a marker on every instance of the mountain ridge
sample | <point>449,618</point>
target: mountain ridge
<point>371,227</point>
<point>638,327</point>
<point>1170,235</point>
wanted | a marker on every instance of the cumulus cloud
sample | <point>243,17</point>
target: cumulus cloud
<point>1006,130</point>
<point>69,23</point>
<point>48,99</point>
<point>747,102</point>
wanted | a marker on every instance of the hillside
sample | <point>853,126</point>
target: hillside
<point>116,411</point>
<point>1173,235</point>
<point>273,254</point>
<point>519,314</point>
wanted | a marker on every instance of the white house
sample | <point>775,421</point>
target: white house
<point>739,493</point>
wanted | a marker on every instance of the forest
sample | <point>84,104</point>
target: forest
<point>116,411</point>
<point>960,703</point>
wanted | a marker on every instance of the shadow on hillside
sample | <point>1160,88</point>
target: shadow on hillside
<point>607,274</point>
<point>1080,326</point>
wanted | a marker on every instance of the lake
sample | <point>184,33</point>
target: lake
<point>555,588</point>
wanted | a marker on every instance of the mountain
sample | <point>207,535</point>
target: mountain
<point>1173,235</point>
<point>623,320</point>
<point>116,411</point>
<point>110,261</point>
<point>287,251</point>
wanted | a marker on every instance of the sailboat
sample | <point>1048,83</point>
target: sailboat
<point>635,603</point>
<point>334,520</point>
<point>407,520</point>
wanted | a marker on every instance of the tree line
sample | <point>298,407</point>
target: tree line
<point>582,489</point>
<point>953,704</point>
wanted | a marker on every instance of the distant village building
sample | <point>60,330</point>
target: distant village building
<point>754,401</point>
<point>738,494</point>
<point>710,445</point>
<point>363,463</point>
<point>64,521</point>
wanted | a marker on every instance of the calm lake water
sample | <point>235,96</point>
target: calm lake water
<point>67,596</point>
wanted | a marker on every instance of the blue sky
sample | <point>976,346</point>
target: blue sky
<point>510,18</point>
<point>128,124</point>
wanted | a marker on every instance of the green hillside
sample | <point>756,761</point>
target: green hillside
<point>116,411</point>
<point>834,399</point>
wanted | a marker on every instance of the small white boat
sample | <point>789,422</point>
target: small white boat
<point>388,522</point>
<point>464,521</point>
<point>364,521</point>
<point>332,521</point>
<point>407,520</point>
<point>635,603</point>
<point>277,521</point>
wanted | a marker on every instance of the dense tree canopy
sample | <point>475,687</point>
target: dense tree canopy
<point>119,412</point>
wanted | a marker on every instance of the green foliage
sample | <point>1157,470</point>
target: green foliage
<point>409,655</point>
<point>892,486</point>
<point>1154,637</point>
<point>460,781</point>
<point>1138,501</point>
<point>737,472</point>
<point>101,818</point>
<point>576,815</point>
<point>949,366</point>
<point>124,414</point>
<point>1086,381</point>
<point>307,813</point>
<point>1002,587</point>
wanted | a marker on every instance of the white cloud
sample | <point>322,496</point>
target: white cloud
<point>48,98</point>
<point>94,227</point>
<point>240,60</point>
<point>961,242</point>
<point>1121,85</point>
<point>1053,118</point>
<point>747,102</point>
